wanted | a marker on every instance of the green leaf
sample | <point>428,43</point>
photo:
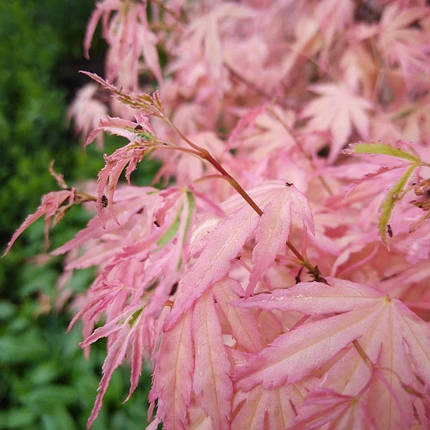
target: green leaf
<point>22,348</point>
<point>171,232</point>
<point>16,418</point>
<point>6,310</point>
<point>390,200</point>
<point>383,149</point>
<point>44,373</point>
<point>191,206</point>
<point>58,418</point>
<point>48,397</point>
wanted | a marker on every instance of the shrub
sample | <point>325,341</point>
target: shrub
<point>280,281</point>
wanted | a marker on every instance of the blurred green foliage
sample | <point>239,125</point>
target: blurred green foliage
<point>45,382</point>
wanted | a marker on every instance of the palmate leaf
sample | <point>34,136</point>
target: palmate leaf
<point>172,383</point>
<point>391,336</point>
<point>224,243</point>
<point>337,109</point>
<point>323,406</point>
<point>294,355</point>
<point>266,409</point>
<point>211,383</point>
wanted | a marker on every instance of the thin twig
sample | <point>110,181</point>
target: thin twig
<point>205,155</point>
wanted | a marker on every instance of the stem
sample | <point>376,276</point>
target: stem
<point>205,155</point>
<point>179,148</point>
<point>183,137</point>
<point>86,197</point>
<point>204,178</point>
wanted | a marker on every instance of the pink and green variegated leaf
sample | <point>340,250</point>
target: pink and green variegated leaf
<point>124,128</point>
<point>394,390</point>
<point>212,382</point>
<point>295,354</point>
<point>173,374</point>
<point>243,322</point>
<point>392,196</point>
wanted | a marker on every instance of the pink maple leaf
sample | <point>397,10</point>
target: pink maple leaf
<point>400,43</point>
<point>389,333</point>
<point>49,207</point>
<point>226,240</point>
<point>172,383</point>
<point>337,109</point>
<point>212,383</point>
<point>127,32</point>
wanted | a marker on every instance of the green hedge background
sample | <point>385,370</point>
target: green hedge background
<point>45,382</point>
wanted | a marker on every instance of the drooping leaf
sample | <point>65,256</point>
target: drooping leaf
<point>172,384</point>
<point>223,245</point>
<point>49,206</point>
<point>212,383</point>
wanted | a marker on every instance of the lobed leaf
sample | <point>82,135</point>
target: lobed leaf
<point>211,383</point>
<point>173,372</point>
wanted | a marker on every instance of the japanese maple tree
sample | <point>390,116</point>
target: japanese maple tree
<point>280,278</point>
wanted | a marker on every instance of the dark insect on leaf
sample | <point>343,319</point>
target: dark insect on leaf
<point>389,230</point>
<point>173,289</point>
<point>415,24</point>
<point>104,201</point>
<point>324,152</point>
